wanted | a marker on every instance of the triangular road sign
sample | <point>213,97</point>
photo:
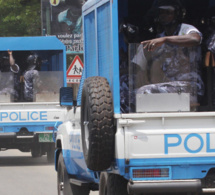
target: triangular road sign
<point>75,69</point>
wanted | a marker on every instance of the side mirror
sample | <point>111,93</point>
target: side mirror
<point>66,96</point>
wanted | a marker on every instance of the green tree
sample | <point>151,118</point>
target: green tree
<point>20,18</point>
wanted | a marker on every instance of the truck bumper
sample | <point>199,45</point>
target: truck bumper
<point>16,135</point>
<point>164,186</point>
<point>11,140</point>
<point>7,135</point>
<point>28,135</point>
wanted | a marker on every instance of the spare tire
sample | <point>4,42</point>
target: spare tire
<point>97,123</point>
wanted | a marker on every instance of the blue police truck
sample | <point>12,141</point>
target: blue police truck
<point>29,94</point>
<point>143,119</point>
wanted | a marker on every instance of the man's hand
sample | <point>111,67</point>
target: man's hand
<point>9,52</point>
<point>189,40</point>
<point>12,61</point>
<point>153,44</point>
<point>21,79</point>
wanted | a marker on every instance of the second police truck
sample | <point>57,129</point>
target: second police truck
<point>29,97</point>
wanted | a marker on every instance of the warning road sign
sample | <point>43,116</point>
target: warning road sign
<point>75,70</point>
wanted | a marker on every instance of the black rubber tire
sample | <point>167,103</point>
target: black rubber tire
<point>103,184</point>
<point>36,151</point>
<point>64,186</point>
<point>116,185</point>
<point>51,153</point>
<point>97,123</point>
<point>34,154</point>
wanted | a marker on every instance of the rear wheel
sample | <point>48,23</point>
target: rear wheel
<point>36,151</point>
<point>97,123</point>
<point>51,153</point>
<point>103,184</point>
<point>112,184</point>
<point>63,183</point>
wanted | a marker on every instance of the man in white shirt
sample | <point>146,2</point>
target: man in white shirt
<point>175,55</point>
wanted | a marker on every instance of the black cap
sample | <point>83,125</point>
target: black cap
<point>173,3</point>
<point>32,59</point>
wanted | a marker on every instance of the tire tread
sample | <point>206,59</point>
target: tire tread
<point>101,123</point>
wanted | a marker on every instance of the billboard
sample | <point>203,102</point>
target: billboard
<point>63,19</point>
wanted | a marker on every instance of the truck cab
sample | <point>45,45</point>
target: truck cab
<point>135,129</point>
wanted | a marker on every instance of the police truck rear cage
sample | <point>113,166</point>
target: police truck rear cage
<point>137,21</point>
<point>46,82</point>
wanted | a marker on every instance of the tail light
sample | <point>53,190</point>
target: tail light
<point>151,173</point>
<point>49,128</point>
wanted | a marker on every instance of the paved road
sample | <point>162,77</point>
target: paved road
<point>20,174</point>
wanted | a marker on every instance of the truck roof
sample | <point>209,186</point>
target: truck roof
<point>31,43</point>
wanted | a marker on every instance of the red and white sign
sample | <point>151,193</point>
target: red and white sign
<point>75,70</point>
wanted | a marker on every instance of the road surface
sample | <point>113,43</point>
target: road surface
<point>20,174</point>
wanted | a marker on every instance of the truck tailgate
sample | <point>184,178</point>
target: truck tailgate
<point>150,136</point>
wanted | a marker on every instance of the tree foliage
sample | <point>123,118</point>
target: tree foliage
<point>20,18</point>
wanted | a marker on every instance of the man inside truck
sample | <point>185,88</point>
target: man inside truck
<point>9,82</point>
<point>31,77</point>
<point>175,54</point>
